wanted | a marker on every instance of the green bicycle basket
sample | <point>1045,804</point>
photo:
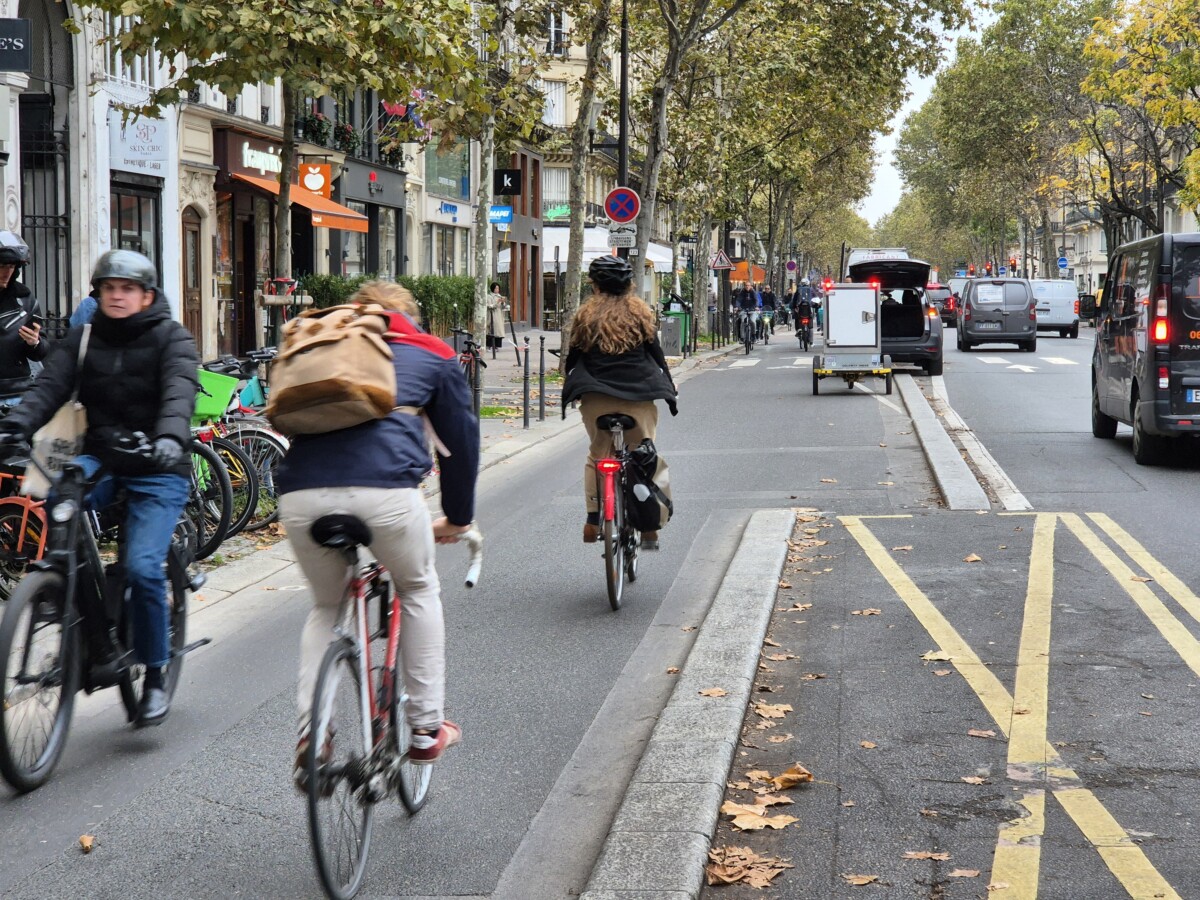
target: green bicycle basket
<point>216,393</point>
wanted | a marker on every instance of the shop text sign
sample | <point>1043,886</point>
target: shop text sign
<point>16,52</point>
<point>138,145</point>
<point>262,161</point>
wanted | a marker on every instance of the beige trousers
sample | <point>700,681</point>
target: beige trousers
<point>402,540</point>
<point>591,407</point>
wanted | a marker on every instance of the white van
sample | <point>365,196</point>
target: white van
<point>1057,306</point>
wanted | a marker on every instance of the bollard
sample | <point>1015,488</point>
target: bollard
<point>525,383</point>
<point>542,378</point>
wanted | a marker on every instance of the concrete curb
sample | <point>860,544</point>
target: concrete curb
<point>658,844</point>
<point>957,483</point>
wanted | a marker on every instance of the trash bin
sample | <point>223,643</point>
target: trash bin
<point>672,335</point>
<point>680,315</point>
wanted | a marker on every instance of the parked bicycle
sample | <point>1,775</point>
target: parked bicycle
<point>358,751</point>
<point>621,539</point>
<point>22,531</point>
<point>472,365</point>
<point>68,626</point>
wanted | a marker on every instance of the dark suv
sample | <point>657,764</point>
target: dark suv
<point>911,329</point>
<point>941,298</point>
<point>1146,365</point>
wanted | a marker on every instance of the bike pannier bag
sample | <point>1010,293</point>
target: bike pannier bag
<point>647,488</point>
<point>334,370</point>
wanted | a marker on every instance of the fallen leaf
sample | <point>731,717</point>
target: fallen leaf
<point>964,873</point>
<point>866,612</point>
<point>974,557</point>
<point>756,821</point>
<point>779,738</point>
<point>1147,696</point>
<point>1140,578</point>
<point>940,672</point>
<point>673,670</point>
<point>738,785</point>
<point>784,586</point>
<point>769,642</point>
<point>772,711</point>
<point>829,481</point>
<point>868,745</point>
<point>929,813</point>
<point>779,657</point>
<point>766,688</point>
<point>730,865</point>
<point>200,597</point>
<point>772,800</point>
<point>759,775</point>
<point>886,483</point>
<point>847,803</point>
<point>998,886</point>
<point>797,774</point>
<point>859,880</point>
<point>1145,713</point>
<point>973,779</point>
<point>801,606</point>
<point>937,656</point>
<point>881,444</point>
<point>925,854</point>
<point>812,530</point>
<point>688,628</point>
<point>86,843</point>
<point>1020,710</point>
<point>977,732</point>
<point>905,547</point>
<point>812,676</point>
<point>713,692</point>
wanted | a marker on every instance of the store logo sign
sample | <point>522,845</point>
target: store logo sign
<point>263,161</point>
<point>139,145</point>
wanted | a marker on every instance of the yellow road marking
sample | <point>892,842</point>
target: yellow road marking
<point>1129,865</point>
<point>1156,611</point>
<point>1181,592</point>
<point>1019,847</point>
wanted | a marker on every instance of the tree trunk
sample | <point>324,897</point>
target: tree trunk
<point>700,270</point>
<point>1049,256</point>
<point>483,229</point>
<point>578,187</point>
<point>283,210</point>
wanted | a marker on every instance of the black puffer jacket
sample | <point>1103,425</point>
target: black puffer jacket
<point>15,354</point>
<point>139,374</point>
<point>638,374</point>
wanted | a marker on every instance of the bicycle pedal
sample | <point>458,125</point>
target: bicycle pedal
<point>197,581</point>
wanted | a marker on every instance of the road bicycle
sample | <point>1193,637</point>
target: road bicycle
<point>22,531</point>
<point>67,627</point>
<point>804,330</point>
<point>766,325</point>
<point>472,365</point>
<point>747,324</point>
<point>359,740</point>
<point>621,539</point>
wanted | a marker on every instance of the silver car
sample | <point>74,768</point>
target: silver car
<point>998,311</point>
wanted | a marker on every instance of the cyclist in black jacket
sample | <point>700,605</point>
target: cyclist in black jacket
<point>138,375</point>
<point>21,341</point>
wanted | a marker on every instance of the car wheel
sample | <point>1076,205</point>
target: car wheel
<point>1062,332</point>
<point>1103,426</point>
<point>1148,449</point>
<point>1074,331</point>
<point>934,366</point>
<point>1029,346</point>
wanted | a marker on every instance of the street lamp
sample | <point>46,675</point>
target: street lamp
<point>622,143</point>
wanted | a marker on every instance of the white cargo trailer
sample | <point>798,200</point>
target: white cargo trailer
<point>853,342</point>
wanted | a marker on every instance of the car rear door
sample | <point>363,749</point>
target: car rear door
<point>1104,357</point>
<point>1184,329</point>
<point>987,308</point>
<point>1017,303</point>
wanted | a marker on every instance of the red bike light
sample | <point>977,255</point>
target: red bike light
<point>608,466</point>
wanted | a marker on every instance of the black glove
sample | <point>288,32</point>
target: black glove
<point>167,452</point>
<point>11,439</point>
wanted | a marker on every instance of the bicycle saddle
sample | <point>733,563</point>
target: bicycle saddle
<point>606,422</point>
<point>340,531</point>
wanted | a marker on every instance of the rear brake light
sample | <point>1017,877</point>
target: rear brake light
<point>1160,331</point>
<point>950,304</point>
<point>1164,378</point>
<point>608,465</point>
<point>1033,313</point>
<point>1076,307</point>
<point>933,313</point>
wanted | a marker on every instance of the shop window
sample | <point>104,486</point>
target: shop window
<point>354,245</point>
<point>388,243</point>
<point>448,173</point>
<point>136,219</point>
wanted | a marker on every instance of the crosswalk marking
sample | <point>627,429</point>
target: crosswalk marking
<point>993,360</point>
<point>803,361</point>
<point>742,363</point>
<point>1058,361</point>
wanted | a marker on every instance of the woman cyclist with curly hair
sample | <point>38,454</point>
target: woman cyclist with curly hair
<point>615,365</point>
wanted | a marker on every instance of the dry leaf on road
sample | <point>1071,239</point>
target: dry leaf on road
<point>866,612</point>
<point>713,692</point>
<point>979,732</point>
<point>859,880</point>
<point>886,483</point>
<point>974,557</point>
<point>86,843</point>
<point>867,745</point>
<point>772,710</point>
<point>937,656</point>
<point>801,606</point>
<point>847,803</point>
<point>759,775</point>
<point>673,670</point>
<point>998,886</point>
<point>905,547</point>
<point>812,676</point>
<point>973,779</point>
<point>925,854</point>
<point>779,657</point>
<point>779,738</point>
<point>756,821</point>
<point>929,813</point>
<point>829,481</point>
<point>964,873</point>
<point>941,671</point>
<point>772,800</point>
<point>784,586</point>
<point>730,865</point>
<point>797,774</point>
<point>1140,578</point>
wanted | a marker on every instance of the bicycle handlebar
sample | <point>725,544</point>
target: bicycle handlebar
<point>474,538</point>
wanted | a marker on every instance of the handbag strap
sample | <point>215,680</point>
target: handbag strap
<point>83,345</point>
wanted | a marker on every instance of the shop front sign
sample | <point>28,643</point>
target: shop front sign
<point>137,145</point>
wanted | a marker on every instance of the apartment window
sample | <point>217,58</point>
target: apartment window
<point>555,111</point>
<point>556,192</point>
<point>142,70</point>
<point>556,33</point>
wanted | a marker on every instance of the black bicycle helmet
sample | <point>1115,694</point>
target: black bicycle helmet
<point>611,274</point>
<point>13,250</point>
<point>128,265</point>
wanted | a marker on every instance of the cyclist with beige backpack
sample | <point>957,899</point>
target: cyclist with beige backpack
<point>364,453</point>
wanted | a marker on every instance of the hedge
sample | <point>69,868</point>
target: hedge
<point>445,301</point>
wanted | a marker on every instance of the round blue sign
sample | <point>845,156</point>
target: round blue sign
<point>1062,262</point>
<point>622,205</point>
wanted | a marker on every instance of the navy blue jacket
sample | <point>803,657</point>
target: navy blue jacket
<point>392,452</point>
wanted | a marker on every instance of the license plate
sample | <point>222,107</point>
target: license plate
<point>988,326</point>
<point>1193,396</point>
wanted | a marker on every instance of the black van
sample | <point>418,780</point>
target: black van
<point>1146,364</point>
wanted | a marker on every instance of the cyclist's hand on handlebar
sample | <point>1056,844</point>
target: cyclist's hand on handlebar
<point>11,440</point>
<point>446,533</point>
<point>167,452</point>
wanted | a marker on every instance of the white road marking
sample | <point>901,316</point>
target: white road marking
<point>803,361</point>
<point>742,363</point>
<point>993,360</point>
<point>1025,369</point>
<point>997,479</point>
<point>882,399</point>
<point>1058,361</point>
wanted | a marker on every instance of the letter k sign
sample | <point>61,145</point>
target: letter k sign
<point>507,182</point>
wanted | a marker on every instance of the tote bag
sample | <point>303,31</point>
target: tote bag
<point>61,439</point>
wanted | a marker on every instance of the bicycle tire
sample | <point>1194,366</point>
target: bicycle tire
<point>22,528</point>
<point>341,872</point>
<point>210,503</point>
<point>632,541</point>
<point>36,589</point>
<point>614,550</point>
<point>243,479</point>
<point>411,781</point>
<point>266,449</point>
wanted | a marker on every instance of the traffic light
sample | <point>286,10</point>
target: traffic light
<point>827,285</point>
<point>987,268</point>
<point>1012,263</point>
<point>971,270</point>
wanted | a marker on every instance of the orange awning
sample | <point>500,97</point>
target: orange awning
<point>325,213</point>
<point>742,272</point>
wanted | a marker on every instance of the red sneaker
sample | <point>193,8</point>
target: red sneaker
<point>426,749</point>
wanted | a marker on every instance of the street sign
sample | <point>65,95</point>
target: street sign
<point>1063,262</point>
<point>498,215</point>
<point>622,234</point>
<point>506,182</point>
<point>1003,270</point>
<point>791,265</point>
<point>622,205</point>
<point>720,262</point>
<point>16,47</point>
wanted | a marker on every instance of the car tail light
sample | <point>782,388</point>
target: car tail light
<point>1164,378</point>
<point>967,313</point>
<point>1160,331</point>
<point>1032,313</point>
<point>933,313</point>
<point>1076,307</point>
<point>950,304</point>
<point>608,465</point>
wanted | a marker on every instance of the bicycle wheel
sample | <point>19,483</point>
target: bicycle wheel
<point>210,505</point>
<point>614,550</point>
<point>243,479</point>
<point>340,812</point>
<point>21,533</point>
<point>266,448</point>
<point>40,666</point>
<point>411,781</point>
<point>632,540</point>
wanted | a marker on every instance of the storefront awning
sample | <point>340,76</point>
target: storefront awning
<point>325,213</point>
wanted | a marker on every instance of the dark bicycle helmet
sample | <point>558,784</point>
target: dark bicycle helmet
<point>128,265</point>
<point>13,250</point>
<point>611,274</point>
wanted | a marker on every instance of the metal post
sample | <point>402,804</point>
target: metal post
<point>525,384</point>
<point>541,378</point>
<point>623,129</point>
<point>712,329</point>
